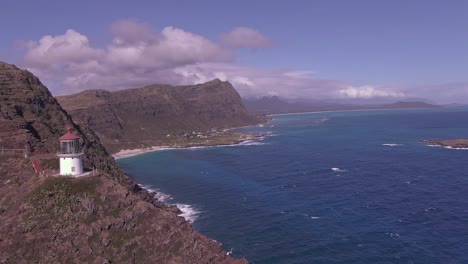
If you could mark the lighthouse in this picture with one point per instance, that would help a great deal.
(70, 154)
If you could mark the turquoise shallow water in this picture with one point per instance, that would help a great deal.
(342, 187)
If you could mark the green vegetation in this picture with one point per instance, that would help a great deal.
(3, 208)
(52, 164)
(63, 197)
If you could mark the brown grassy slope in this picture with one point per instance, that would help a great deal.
(92, 220)
(30, 116)
(453, 143)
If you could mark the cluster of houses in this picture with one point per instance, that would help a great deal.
(214, 132)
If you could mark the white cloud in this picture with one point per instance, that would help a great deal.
(50, 50)
(138, 55)
(255, 82)
(169, 48)
(242, 37)
(367, 92)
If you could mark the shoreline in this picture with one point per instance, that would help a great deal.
(241, 138)
(350, 110)
(461, 144)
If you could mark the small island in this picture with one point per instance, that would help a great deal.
(449, 143)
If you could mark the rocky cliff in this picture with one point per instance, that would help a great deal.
(102, 218)
(156, 114)
(30, 117)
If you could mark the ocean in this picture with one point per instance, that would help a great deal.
(335, 187)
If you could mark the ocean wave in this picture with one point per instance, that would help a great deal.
(323, 119)
(250, 143)
(337, 170)
(189, 212)
(162, 197)
(393, 235)
(271, 134)
(392, 144)
(449, 147)
(445, 147)
(138, 152)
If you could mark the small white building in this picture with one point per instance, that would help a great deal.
(70, 154)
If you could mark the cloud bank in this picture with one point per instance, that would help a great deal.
(139, 55)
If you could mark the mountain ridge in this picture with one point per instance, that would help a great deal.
(157, 114)
(276, 105)
(101, 218)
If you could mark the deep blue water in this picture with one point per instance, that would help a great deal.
(279, 200)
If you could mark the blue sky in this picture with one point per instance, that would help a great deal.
(358, 49)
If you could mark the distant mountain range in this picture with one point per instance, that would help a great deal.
(276, 105)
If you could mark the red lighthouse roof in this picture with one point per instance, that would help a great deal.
(69, 135)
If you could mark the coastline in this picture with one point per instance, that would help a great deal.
(350, 110)
(187, 211)
(230, 139)
(461, 144)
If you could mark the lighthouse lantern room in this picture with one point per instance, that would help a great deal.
(70, 154)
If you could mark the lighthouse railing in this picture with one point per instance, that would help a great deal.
(71, 152)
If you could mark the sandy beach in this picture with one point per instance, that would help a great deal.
(235, 139)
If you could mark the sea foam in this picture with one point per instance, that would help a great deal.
(392, 144)
(445, 147)
(189, 212)
(337, 170)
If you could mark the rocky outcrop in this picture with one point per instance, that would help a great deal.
(449, 143)
(93, 220)
(156, 114)
(30, 117)
(103, 218)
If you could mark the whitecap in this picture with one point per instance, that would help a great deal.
(189, 212)
(243, 143)
(160, 196)
(449, 147)
(392, 144)
(393, 235)
(446, 147)
(429, 209)
(315, 217)
(249, 143)
(271, 134)
(337, 170)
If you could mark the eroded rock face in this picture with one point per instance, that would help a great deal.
(94, 220)
(104, 218)
(450, 143)
(142, 117)
(30, 117)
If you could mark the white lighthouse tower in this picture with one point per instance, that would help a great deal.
(70, 154)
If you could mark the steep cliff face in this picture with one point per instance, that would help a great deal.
(146, 116)
(30, 117)
(104, 218)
